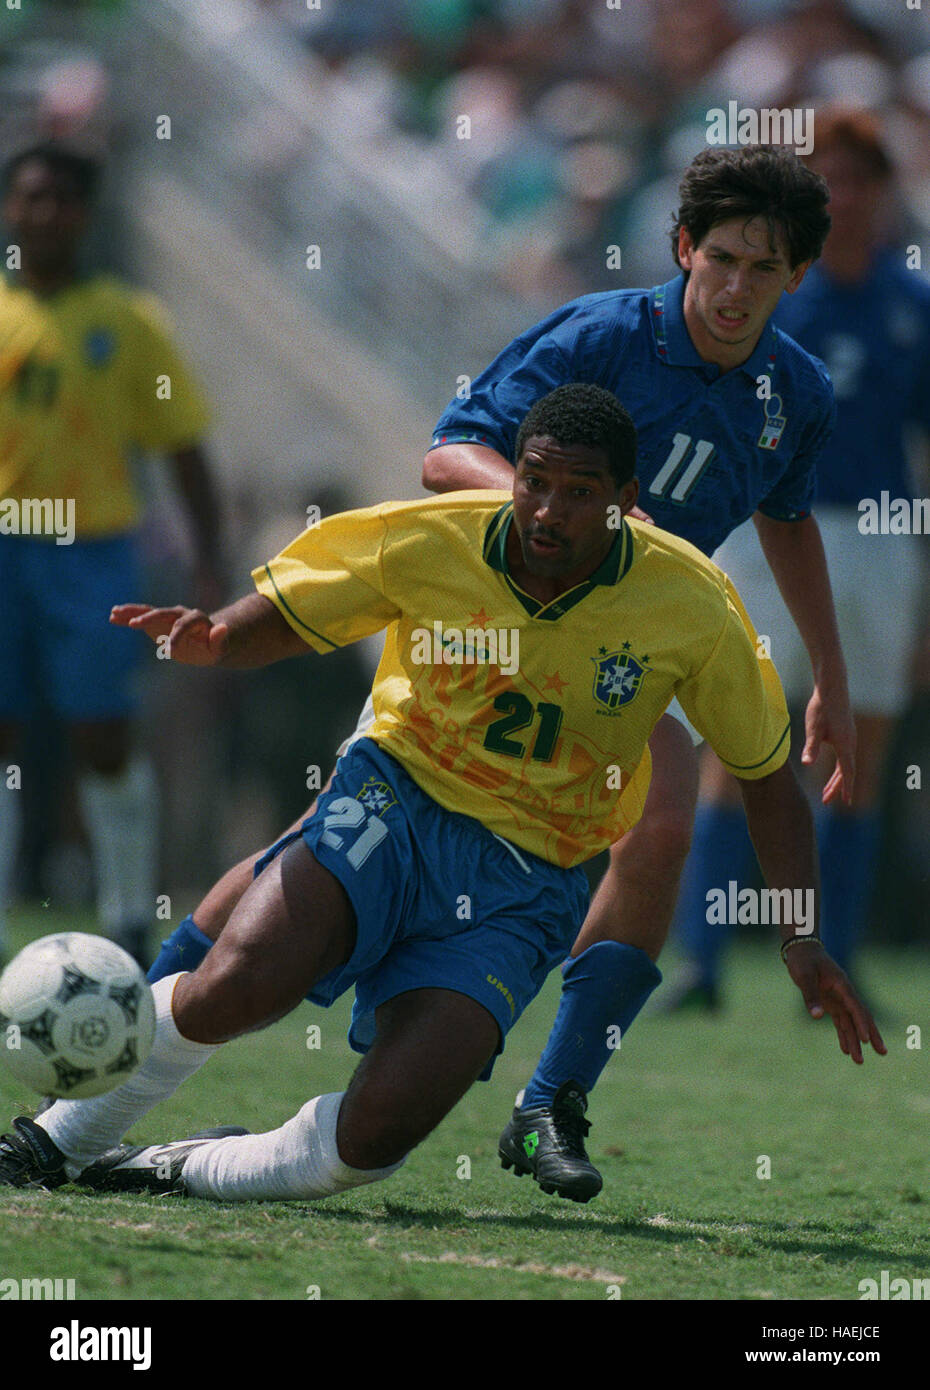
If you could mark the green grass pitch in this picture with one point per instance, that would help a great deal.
(682, 1123)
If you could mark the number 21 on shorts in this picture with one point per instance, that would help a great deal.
(347, 813)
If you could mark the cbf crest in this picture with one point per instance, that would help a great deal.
(377, 797)
(618, 677)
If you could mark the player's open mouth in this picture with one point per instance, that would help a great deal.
(731, 318)
(545, 547)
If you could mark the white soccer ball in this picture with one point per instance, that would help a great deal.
(77, 1016)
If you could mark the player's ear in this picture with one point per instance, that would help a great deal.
(628, 495)
(797, 275)
(685, 248)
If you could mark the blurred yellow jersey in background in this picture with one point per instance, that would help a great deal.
(88, 374)
(532, 718)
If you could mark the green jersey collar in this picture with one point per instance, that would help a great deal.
(610, 571)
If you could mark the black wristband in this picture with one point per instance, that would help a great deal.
(797, 941)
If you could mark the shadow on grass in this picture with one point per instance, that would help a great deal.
(750, 1237)
(736, 1237)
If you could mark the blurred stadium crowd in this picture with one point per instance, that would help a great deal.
(584, 114)
(581, 116)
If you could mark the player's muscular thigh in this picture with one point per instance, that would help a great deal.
(214, 910)
(431, 1045)
(294, 925)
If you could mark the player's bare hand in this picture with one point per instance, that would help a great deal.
(193, 638)
(639, 515)
(826, 989)
(829, 719)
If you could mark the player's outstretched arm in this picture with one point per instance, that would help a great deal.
(794, 551)
(782, 831)
(249, 633)
(827, 989)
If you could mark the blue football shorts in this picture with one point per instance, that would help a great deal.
(440, 901)
(55, 635)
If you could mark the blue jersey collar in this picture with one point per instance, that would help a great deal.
(673, 343)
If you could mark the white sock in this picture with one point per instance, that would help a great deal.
(11, 823)
(298, 1160)
(84, 1129)
(122, 821)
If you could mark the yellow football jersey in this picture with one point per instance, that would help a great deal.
(532, 718)
(84, 378)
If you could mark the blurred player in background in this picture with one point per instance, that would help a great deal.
(867, 316)
(686, 359)
(88, 373)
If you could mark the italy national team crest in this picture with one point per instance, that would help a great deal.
(377, 797)
(775, 423)
(617, 677)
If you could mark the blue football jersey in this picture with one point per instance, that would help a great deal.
(713, 447)
(874, 339)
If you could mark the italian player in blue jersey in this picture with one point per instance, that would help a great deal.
(485, 779)
(867, 316)
(731, 417)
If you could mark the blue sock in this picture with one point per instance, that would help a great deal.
(184, 950)
(721, 850)
(604, 987)
(848, 848)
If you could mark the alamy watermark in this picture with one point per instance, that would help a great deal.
(894, 1289)
(894, 516)
(792, 126)
(77, 1343)
(38, 516)
(453, 646)
(36, 1290)
(751, 907)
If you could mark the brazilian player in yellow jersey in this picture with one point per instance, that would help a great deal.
(88, 374)
(511, 709)
(530, 648)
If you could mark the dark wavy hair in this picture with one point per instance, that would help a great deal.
(755, 181)
(580, 413)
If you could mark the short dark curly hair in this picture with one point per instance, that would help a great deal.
(579, 413)
(755, 181)
(81, 169)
